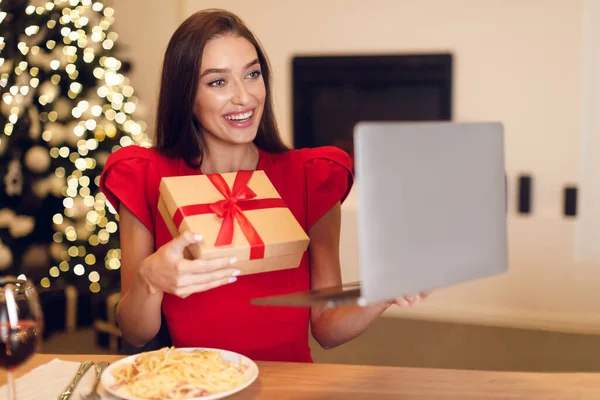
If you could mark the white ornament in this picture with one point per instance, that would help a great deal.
(37, 159)
(13, 180)
(21, 226)
(6, 217)
(6, 258)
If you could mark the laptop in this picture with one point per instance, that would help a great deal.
(431, 211)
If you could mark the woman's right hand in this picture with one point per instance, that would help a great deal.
(167, 270)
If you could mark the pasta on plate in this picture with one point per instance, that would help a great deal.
(171, 373)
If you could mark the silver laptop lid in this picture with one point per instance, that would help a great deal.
(431, 205)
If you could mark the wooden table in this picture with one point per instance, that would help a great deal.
(328, 381)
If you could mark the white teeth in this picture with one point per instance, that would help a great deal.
(239, 117)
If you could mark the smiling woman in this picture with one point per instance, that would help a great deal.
(230, 101)
(215, 115)
(214, 70)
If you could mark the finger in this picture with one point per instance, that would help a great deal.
(199, 279)
(412, 300)
(184, 292)
(424, 295)
(402, 302)
(203, 266)
(178, 244)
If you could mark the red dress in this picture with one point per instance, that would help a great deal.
(310, 181)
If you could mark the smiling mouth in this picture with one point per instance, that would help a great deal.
(241, 117)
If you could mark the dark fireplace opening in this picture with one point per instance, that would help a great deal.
(332, 93)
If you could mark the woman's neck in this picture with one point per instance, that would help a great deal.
(220, 159)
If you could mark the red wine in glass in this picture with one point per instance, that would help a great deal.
(20, 325)
(17, 344)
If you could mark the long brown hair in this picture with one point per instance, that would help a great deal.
(178, 132)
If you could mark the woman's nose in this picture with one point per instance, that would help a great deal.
(241, 95)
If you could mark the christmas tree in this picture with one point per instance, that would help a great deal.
(65, 106)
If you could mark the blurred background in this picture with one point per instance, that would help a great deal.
(531, 64)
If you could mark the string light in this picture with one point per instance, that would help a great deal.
(98, 118)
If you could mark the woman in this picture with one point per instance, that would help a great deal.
(215, 115)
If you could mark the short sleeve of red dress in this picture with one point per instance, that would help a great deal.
(328, 180)
(127, 179)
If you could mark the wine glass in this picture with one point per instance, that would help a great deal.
(21, 324)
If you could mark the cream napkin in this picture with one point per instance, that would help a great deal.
(49, 380)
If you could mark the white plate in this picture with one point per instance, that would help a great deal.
(108, 381)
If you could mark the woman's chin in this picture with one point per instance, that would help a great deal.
(241, 136)
(234, 136)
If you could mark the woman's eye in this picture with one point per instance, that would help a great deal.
(255, 74)
(217, 83)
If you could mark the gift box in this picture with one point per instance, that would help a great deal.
(239, 215)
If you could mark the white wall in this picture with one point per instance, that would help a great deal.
(144, 28)
(588, 226)
(515, 61)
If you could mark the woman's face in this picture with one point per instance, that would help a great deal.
(231, 91)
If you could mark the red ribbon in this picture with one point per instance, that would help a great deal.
(235, 202)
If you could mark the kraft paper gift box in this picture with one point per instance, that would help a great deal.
(239, 214)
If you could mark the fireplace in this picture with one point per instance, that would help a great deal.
(331, 94)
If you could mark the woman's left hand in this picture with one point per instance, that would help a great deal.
(409, 301)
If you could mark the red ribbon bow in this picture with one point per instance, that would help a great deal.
(232, 207)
